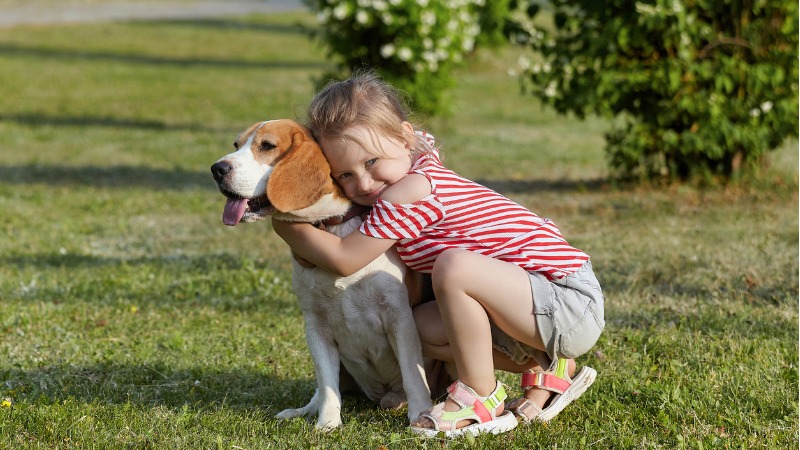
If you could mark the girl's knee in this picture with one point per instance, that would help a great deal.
(449, 266)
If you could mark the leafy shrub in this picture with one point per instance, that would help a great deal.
(704, 87)
(494, 20)
(413, 44)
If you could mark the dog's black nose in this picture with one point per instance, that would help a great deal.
(220, 169)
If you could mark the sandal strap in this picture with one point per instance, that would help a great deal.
(474, 406)
(554, 381)
(525, 409)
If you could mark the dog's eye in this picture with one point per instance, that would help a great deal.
(266, 145)
(236, 145)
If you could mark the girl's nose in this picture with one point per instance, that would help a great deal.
(365, 183)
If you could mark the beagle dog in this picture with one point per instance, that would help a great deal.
(362, 322)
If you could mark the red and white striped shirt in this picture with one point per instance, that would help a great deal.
(460, 213)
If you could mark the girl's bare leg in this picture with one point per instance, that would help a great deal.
(471, 290)
(436, 345)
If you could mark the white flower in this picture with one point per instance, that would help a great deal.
(550, 90)
(645, 9)
(405, 54)
(323, 16)
(766, 107)
(422, 3)
(388, 50)
(468, 44)
(362, 17)
(341, 11)
(428, 18)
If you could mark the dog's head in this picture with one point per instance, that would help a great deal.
(277, 169)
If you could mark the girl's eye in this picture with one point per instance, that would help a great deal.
(343, 176)
(371, 162)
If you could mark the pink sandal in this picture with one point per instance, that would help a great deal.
(557, 381)
(482, 410)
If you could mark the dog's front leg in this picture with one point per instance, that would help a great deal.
(327, 400)
(408, 350)
(326, 365)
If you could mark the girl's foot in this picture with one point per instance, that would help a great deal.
(547, 393)
(465, 411)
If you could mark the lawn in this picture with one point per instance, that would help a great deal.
(130, 317)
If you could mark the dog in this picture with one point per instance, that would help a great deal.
(362, 322)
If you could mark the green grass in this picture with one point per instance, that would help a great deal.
(130, 317)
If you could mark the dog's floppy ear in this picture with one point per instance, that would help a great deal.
(301, 177)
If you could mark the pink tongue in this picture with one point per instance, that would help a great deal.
(234, 210)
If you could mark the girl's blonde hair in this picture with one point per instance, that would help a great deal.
(365, 100)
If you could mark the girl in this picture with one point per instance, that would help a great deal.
(510, 292)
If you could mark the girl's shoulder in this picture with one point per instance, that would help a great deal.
(409, 189)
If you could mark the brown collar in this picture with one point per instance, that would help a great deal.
(354, 210)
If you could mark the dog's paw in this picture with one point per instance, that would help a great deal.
(328, 424)
(393, 400)
(415, 408)
(290, 413)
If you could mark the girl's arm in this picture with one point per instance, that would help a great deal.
(346, 256)
(341, 256)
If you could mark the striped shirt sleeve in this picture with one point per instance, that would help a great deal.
(393, 221)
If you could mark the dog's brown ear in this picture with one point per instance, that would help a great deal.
(302, 176)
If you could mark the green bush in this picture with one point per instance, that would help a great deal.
(703, 88)
(493, 19)
(413, 44)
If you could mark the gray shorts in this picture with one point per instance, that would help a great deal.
(569, 316)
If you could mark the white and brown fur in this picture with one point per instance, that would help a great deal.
(362, 322)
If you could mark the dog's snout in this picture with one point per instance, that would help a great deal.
(220, 170)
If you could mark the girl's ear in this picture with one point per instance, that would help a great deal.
(408, 134)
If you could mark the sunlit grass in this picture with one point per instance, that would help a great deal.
(130, 317)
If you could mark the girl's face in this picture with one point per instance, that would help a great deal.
(365, 173)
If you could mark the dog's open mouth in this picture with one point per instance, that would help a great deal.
(251, 209)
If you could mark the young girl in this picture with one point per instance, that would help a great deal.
(511, 293)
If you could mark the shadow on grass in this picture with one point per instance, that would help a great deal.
(107, 177)
(43, 261)
(38, 120)
(229, 24)
(13, 50)
(534, 186)
(161, 385)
